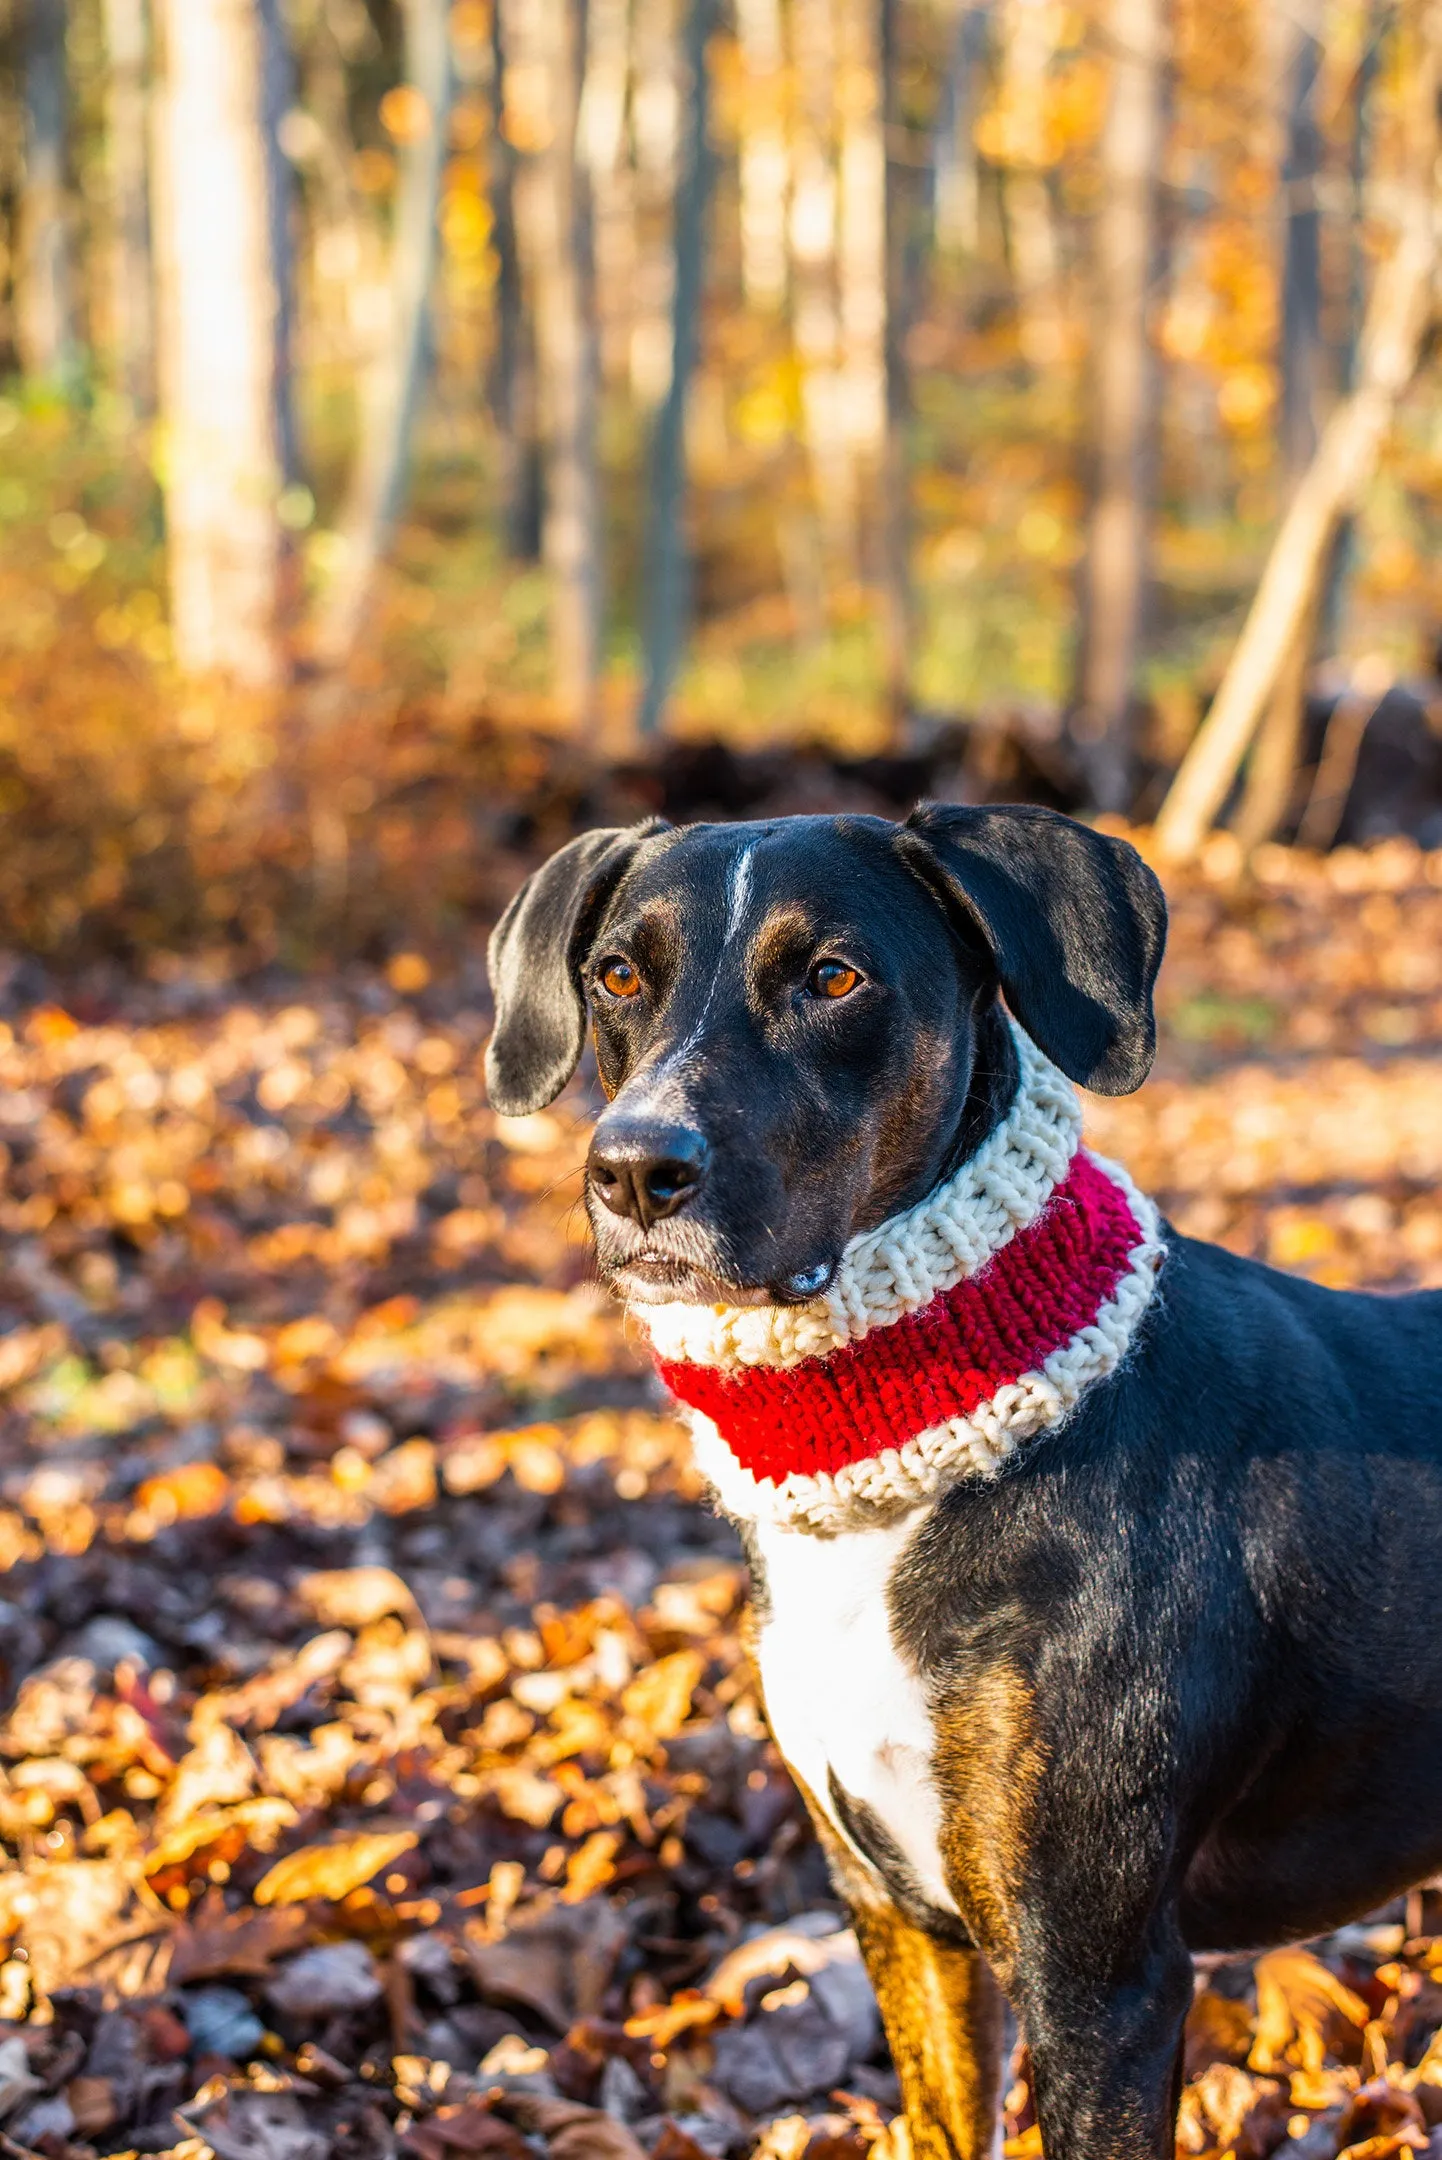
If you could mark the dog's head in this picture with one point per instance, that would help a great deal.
(797, 1022)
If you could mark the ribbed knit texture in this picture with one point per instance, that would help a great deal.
(952, 1332)
(933, 1365)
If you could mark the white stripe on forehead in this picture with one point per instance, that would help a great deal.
(738, 893)
(663, 1076)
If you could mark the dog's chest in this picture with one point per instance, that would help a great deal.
(845, 1706)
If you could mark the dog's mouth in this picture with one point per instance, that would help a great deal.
(653, 1278)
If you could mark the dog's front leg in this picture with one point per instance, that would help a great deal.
(941, 2011)
(1106, 2056)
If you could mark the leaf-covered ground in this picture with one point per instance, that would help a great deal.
(379, 1769)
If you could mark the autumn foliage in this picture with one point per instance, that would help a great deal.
(380, 1766)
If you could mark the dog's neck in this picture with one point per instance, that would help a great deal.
(952, 1331)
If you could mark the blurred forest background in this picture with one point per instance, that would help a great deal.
(428, 428)
(393, 382)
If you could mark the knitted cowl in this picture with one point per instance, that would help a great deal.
(951, 1333)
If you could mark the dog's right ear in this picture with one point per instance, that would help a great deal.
(534, 960)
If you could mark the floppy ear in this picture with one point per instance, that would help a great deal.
(534, 960)
(1074, 922)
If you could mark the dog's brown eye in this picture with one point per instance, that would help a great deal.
(832, 979)
(621, 979)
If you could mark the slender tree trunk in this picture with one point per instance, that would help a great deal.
(601, 149)
(1359, 164)
(1028, 43)
(222, 362)
(667, 565)
(389, 405)
(862, 257)
(513, 370)
(655, 131)
(277, 96)
(1272, 764)
(903, 247)
(764, 168)
(1126, 392)
(45, 294)
(131, 327)
(956, 193)
(816, 315)
(1301, 245)
(553, 216)
(1397, 316)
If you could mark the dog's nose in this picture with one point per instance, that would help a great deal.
(646, 1171)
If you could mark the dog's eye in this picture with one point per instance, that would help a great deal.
(620, 978)
(832, 979)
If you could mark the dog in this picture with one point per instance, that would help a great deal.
(1093, 1568)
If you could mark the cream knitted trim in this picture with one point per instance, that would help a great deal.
(886, 1485)
(909, 1259)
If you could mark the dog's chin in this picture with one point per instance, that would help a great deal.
(657, 1281)
(651, 1278)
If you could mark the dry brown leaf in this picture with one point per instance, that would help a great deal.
(470, 2128)
(555, 1959)
(255, 1823)
(354, 1597)
(573, 2132)
(1218, 2030)
(1300, 2007)
(186, 1494)
(212, 1943)
(332, 1871)
(660, 1697)
(88, 1923)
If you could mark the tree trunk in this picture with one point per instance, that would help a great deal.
(1271, 766)
(1126, 400)
(389, 403)
(955, 189)
(1397, 317)
(553, 216)
(1339, 569)
(1301, 355)
(601, 149)
(904, 243)
(44, 284)
(816, 322)
(222, 361)
(277, 96)
(655, 133)
(513, 369)
(131, 327)
(1028, 47)
(763, 165)
(666, 561)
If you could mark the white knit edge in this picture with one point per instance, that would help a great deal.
(911, 1258)
(884, 1486)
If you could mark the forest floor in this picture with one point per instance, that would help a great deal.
(379, 1769)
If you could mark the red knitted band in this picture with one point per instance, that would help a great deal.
(1049, 1281)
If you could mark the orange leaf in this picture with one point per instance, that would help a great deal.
(332, 1871)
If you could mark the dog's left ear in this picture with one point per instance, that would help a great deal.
(534, 961)
(1074, 922)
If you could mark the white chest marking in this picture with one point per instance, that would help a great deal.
(839, 1696)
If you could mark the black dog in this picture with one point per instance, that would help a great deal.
(1140, 1657)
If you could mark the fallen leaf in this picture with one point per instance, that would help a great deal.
(471, 2127)
(660, 1697)
(1300, 2005)
(332, 1871)
(212, 1943)
(555, 1959)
